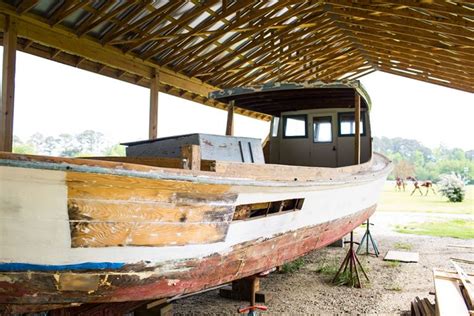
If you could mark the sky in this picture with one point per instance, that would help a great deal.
(52, 98)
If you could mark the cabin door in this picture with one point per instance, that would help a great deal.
(324, 141)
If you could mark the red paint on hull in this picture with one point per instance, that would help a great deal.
(40, 288)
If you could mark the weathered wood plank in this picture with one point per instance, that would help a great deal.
(206, 165)
(124, 211)
(118, 188)
(192, 155)
(113, 234)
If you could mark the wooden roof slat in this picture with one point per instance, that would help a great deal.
(422, 60)
(180, 41)
(314, 54)
(216, 51)
(188, 16)
(407, 32)
(457, 31)
(265, 45)
(26, 5)
(156, 15)
(237, 22)
(104, 16)
(135, 12)
(387, 42)
(455, 85)
(421, 69)
(410, 15)
(66, 9)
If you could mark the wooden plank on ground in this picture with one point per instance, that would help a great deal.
(449, 299)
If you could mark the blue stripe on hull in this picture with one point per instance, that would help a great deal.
(17, 267)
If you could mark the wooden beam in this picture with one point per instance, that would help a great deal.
(357, 129)
(153, 123)
(229, 130)
(60, 38)
(8, 83)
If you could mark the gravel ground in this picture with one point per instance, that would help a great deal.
(391, 289)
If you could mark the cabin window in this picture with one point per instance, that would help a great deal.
(347, 124)
(265, 208)
(295, 126)
(275, 123)
(322, 129)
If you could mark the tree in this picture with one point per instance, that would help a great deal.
(403, 169)
(68, 145)
(90, 141)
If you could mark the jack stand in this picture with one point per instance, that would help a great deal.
(252, 309)
(352, 261)
(367, 238)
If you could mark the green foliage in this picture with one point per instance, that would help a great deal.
(452, 186)
(292, 266)
(329, 269)
(428, 164)
(402, 246)
(86, 143)
(392, 264)
(456, 228)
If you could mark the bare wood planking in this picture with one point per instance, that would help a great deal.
(119, 188)
(109, 210)
(112, 234)
(123, 211)
(206, 165)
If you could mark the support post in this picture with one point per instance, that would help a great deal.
(153, 124)
(357, 129)
(229, 131)
(8, 84)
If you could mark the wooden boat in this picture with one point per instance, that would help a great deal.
(78, 231)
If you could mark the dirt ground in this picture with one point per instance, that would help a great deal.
(391, 289)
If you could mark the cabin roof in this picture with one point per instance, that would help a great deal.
(275, 98)
(199, 46)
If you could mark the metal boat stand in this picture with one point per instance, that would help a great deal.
(367, 238)
(352, 261)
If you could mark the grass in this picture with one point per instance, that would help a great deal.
(456, 228)
(392, 264)
(394, 287)
(292, 266)
(394, 201)
(344, 278)
(402, 246)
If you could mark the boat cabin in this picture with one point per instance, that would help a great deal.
(313, 124)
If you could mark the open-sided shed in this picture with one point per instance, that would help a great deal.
(190, 48)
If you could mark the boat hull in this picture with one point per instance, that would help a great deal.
(77, 232)
(136, 282)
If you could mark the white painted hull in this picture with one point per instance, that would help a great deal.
(35, 224)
